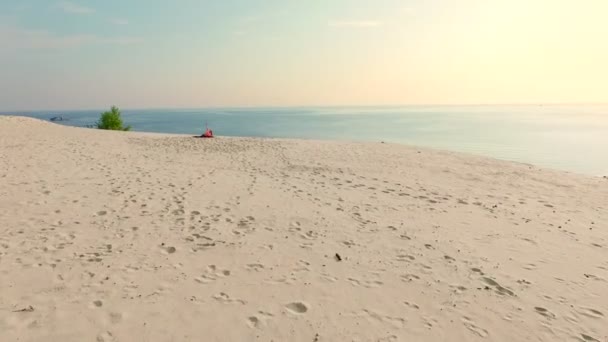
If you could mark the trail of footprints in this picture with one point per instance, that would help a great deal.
(201, 230)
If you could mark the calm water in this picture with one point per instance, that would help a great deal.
(573, 138)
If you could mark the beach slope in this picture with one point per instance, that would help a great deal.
(114, 236)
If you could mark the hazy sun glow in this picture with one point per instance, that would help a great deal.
(91, 54)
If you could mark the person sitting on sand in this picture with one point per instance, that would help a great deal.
(208, 134)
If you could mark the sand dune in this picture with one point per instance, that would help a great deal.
(111, 236)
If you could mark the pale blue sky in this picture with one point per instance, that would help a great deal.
(150, 53)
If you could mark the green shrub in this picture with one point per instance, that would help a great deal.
(111, 120)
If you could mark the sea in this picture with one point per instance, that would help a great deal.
(567, 137)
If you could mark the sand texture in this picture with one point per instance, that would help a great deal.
(113, 236)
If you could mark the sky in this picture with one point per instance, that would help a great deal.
(86, 54)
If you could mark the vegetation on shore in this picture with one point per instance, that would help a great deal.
(112, 120)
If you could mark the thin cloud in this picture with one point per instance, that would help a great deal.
(355, 23)
(70, 7)
(16, 38)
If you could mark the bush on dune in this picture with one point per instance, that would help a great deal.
(111, 120)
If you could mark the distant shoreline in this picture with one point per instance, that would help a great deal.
(101, 109)
(564, 138)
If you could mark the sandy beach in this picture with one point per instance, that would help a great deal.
(114, 236)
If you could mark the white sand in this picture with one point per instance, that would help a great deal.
(112, 236)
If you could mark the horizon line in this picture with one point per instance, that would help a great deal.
(540, 104)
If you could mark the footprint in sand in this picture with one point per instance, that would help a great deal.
(397, 322)
(205, 279)
(544, 312)
(589, 312)
(297, 308)
(348, 243)
(469, 324)
(429, 322)
(328, 278)
(168, 249)
(593, 277)
(366, 283)
(589, 338)
(412, 305)
(105, 337)
(295, 226)
(259, 320)
(498, 288)
(224, 298)
(203, 246)
(254, 267)
(409, 277)
(310, 235)
(458, 289)
(306, 245)
(211, 274)
(405, 257)
(253, 322)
